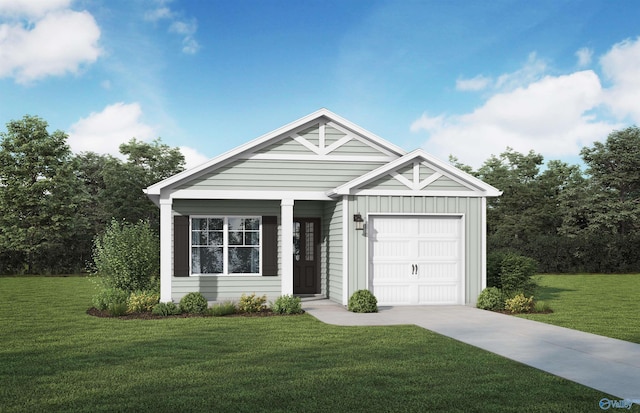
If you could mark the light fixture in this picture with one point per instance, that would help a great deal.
(357, 219)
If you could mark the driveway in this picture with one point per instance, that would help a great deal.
(605, 364)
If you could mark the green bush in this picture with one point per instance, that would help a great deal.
(165, 309)
(541, 307)
(494, 268)
(222, 309)
(363, 301)
(117, 309)
(515, 274)
(287, 304)
(142, 301)
(519, 304)
(491, 298)
(194, 303)
(252, 303)
(127, 256)
(107, 296)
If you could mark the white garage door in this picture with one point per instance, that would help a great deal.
(416, 260)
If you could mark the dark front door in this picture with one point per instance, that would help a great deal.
(306, 255)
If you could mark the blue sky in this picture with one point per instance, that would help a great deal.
(467, 78)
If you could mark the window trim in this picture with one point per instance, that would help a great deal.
(225, 246)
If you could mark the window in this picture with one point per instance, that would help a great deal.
(225, 245)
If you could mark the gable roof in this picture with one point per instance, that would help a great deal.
(415, 183)
(323, 115)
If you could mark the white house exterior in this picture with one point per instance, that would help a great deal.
(279, 215)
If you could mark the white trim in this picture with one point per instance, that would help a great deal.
(429, 180)
(409, 192)
(304, 142)
(286, 244)
(252, 195)
(404, 181)
(345, 250)
(461, 177)
(322, 157)
(370, 139)
(166, 248)
(483, 248)
(340, 142)
(321, 135)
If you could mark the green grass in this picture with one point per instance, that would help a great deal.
(604, 304)
(54, 357)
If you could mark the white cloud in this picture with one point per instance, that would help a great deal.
(552, 116)
(474, 84)
(103, 132)
(31, 8)
(584, 56)
(533, 70)
(60, 41)
(192, 157)
(621, 66)
(183, 27)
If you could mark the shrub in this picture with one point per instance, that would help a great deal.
(363, 301)
(107, 296)
(222, 309)
(127, 256)
(165, 309)
(494, 264)
(194, 303)
(287, 304)
(252, 303)
(117, 309)
(142, 301)
(541, 307)
(515, 274)
(491, 298)
(519, 304)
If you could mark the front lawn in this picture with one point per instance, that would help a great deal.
(604, 304)
(55, 357)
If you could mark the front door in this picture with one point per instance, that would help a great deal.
(306, 255)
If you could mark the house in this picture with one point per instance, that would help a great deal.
(323, 207)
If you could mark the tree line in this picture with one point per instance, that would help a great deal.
(567, 219)
(53, 203)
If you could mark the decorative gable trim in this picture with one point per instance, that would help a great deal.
(322, 118)
(415, 185)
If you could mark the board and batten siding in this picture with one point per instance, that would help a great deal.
(270, 175)
(227, 287)
(469, 207)
(333, 250)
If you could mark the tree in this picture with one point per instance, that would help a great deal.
(40, 199)
(605, 213)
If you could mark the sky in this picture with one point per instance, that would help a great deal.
(462, 78)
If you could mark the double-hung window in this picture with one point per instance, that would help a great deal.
(225, 245)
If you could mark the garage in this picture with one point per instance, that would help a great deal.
(416, 259)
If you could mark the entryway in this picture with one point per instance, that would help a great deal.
(306, 255)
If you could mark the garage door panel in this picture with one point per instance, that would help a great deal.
(438, 248)
(416, 260)
(438, 271)
(394, 294)
(438, 294)
(391, 249)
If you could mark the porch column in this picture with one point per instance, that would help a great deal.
(286, 225)
(166, 237)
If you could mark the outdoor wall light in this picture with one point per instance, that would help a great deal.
(357, 219)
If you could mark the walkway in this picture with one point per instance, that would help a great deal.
(605, 364)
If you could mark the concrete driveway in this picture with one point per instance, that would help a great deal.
(605, 364)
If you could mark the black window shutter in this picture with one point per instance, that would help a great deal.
(181, 253)
(269, 246)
